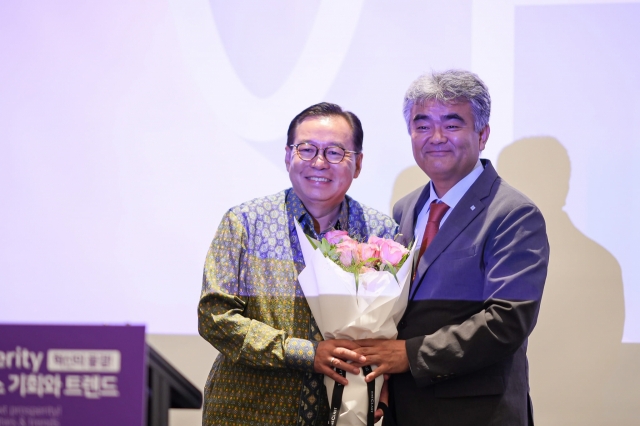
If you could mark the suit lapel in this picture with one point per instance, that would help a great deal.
(467, 209)
(408, 222)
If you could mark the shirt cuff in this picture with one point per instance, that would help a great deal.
(300, 354)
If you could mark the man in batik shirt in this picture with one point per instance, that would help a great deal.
(252, 309)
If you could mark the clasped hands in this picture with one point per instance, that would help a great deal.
(390, 357)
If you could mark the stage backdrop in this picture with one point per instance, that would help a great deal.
(127, 129)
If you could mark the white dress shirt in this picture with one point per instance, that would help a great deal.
(451, 198)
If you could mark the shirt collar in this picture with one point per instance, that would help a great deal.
(453, 196)
(298, 210)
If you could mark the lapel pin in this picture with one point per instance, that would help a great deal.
(473, 208)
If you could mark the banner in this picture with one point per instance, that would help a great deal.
(66, 375)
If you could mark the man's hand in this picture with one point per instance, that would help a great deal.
(336, 353)
(389, 355)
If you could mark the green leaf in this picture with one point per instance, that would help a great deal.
(315, 243)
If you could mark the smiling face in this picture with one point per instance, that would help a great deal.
(321, 185)
(445, 144)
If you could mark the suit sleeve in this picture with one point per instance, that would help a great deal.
(514, 262)
(221, 318)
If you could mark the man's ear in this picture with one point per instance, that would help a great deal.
(484, 135)
(358, 165)
(287, 156)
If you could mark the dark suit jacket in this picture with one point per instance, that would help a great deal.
(473, 303)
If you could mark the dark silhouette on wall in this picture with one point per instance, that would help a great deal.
(575, 347)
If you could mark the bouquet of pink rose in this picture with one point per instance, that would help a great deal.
(355, 290)
(377, 254)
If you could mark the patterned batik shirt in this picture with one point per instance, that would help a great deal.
(253, 311)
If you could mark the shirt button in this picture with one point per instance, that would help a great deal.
(402, 324)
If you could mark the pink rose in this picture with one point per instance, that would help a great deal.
(392, 252)
(376, 240)
(348, 251)
(334, 237)
(368, 251)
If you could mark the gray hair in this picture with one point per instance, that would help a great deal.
(450, 86)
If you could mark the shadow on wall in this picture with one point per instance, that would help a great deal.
(409, 179)
(576, 346)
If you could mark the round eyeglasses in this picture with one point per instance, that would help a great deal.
(333, 154)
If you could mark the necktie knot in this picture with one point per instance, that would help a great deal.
(437, 212)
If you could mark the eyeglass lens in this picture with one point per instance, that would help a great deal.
(333, 154)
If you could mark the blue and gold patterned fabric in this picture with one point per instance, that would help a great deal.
(253, 311)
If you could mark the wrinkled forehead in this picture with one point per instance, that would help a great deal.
(433, 108)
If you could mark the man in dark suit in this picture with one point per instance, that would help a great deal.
(460, 358)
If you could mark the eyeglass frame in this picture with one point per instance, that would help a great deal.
(323, 150)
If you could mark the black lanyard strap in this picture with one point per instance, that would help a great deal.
(336, 398)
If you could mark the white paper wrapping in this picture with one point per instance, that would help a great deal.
(341, 312)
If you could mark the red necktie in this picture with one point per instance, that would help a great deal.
(436, 213)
